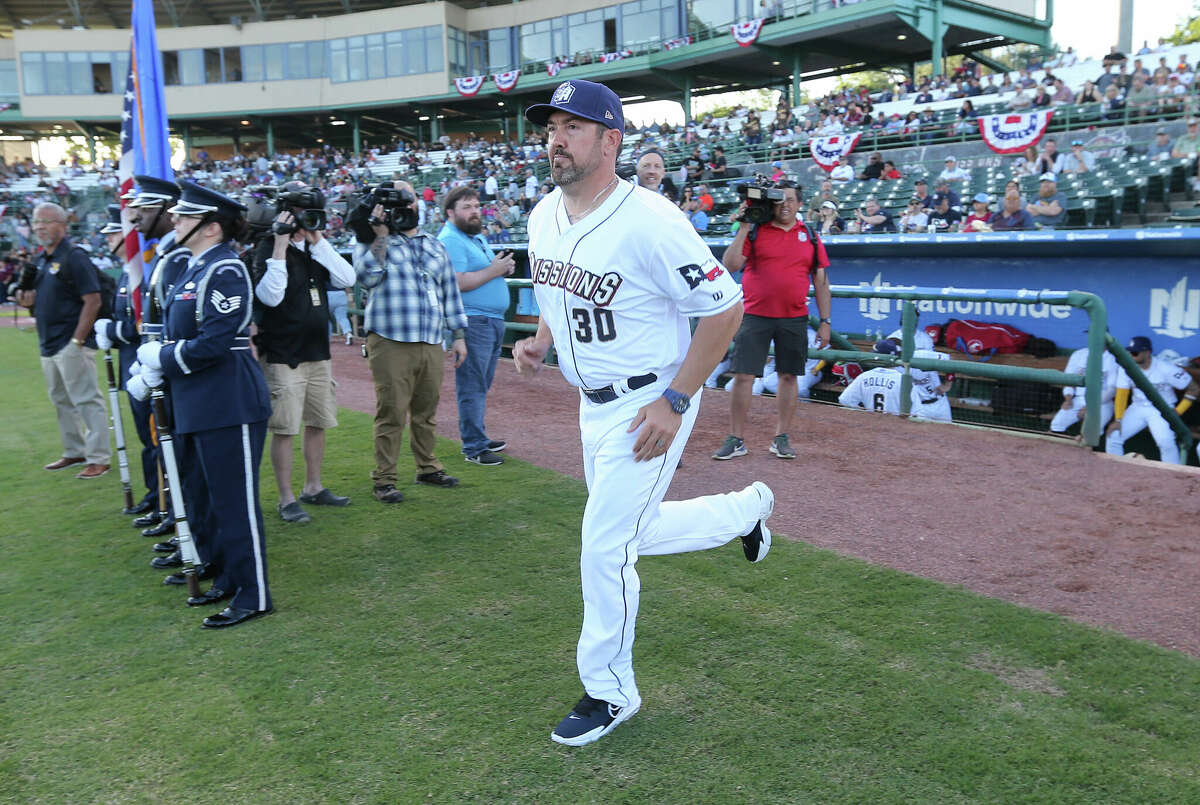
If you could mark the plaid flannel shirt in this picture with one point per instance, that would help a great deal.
(415, 297)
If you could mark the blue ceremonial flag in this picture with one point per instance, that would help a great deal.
(145, 149)
(152, 151)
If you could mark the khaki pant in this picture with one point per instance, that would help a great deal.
(408, 383)
(82, 419)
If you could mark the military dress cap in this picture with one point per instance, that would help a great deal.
(113, 226)
(199, 200)
(585, 99)
(153, 191)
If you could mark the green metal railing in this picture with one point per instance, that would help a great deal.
(1098, 341)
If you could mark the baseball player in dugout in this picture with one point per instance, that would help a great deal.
(220, 403)
(293, 270)
(617, 271)
(413, 299)
(481, 275)
(64, 295)
(1132, 410)
(779, 260)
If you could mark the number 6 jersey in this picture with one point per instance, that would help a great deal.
(617, 288)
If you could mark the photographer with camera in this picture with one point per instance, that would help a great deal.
(62, 289)
(293, 270)
(485, 297)
(414, 298)
(780, 258)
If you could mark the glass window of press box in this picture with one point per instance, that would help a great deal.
(386, 55)
(356, 58)
(76, 73)
(603, 30)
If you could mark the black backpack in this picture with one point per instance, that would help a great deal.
(106, 282)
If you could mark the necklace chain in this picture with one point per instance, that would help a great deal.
(595, 201)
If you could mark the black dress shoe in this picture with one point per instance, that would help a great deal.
(179, 579)
(161, 530)
(141, 507)
(167, 547)
(146, 520)
(163, 562)
(211, 596)
(232, 616)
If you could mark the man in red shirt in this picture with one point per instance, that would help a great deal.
(781, 260)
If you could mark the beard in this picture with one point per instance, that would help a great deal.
(573, 171)
(470, 226)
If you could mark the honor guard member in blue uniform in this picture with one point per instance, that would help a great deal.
(162, 262)
(219, 397)
(121, 331)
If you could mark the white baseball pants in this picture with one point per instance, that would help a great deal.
(1136, 419)
(1066, 417)
(625, 518)
(939, 409)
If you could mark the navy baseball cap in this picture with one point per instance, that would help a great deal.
(585, 99)
(1139, 343)
(887, 346)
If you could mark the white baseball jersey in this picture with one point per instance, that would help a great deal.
(1077, 365)
(921, 339)
(1166, 377)
(926, 381)
(875, 390)
(616, 288)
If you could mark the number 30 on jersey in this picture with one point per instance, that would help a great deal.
(594, 323)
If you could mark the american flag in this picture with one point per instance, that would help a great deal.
(145, 149)
(133, 240)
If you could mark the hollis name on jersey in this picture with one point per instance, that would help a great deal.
(885, 382)
(599, 290)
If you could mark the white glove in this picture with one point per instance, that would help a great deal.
(102, 339)
(148, 355)
(135, 368)
(151, 377)
(137, 388)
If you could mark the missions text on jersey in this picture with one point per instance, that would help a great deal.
(606, 285)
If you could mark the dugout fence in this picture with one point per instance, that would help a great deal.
(976, 380)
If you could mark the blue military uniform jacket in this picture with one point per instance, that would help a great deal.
(165, 264)
(215, 380)
(170, 261)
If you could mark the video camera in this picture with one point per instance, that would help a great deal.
(399, 205)
(27, 276)
(761, 196)
(265, 202)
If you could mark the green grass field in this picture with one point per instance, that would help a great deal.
(423, 652)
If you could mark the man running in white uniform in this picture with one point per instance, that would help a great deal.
(617, 271)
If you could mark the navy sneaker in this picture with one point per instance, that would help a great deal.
(758, 541)
(590, 720)
(486, 459)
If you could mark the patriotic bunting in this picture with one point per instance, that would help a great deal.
(829, 151)
(605, 58)
(469, 85)
(506, 81)
(677, 43)
(745, 33)
(1013, 133)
